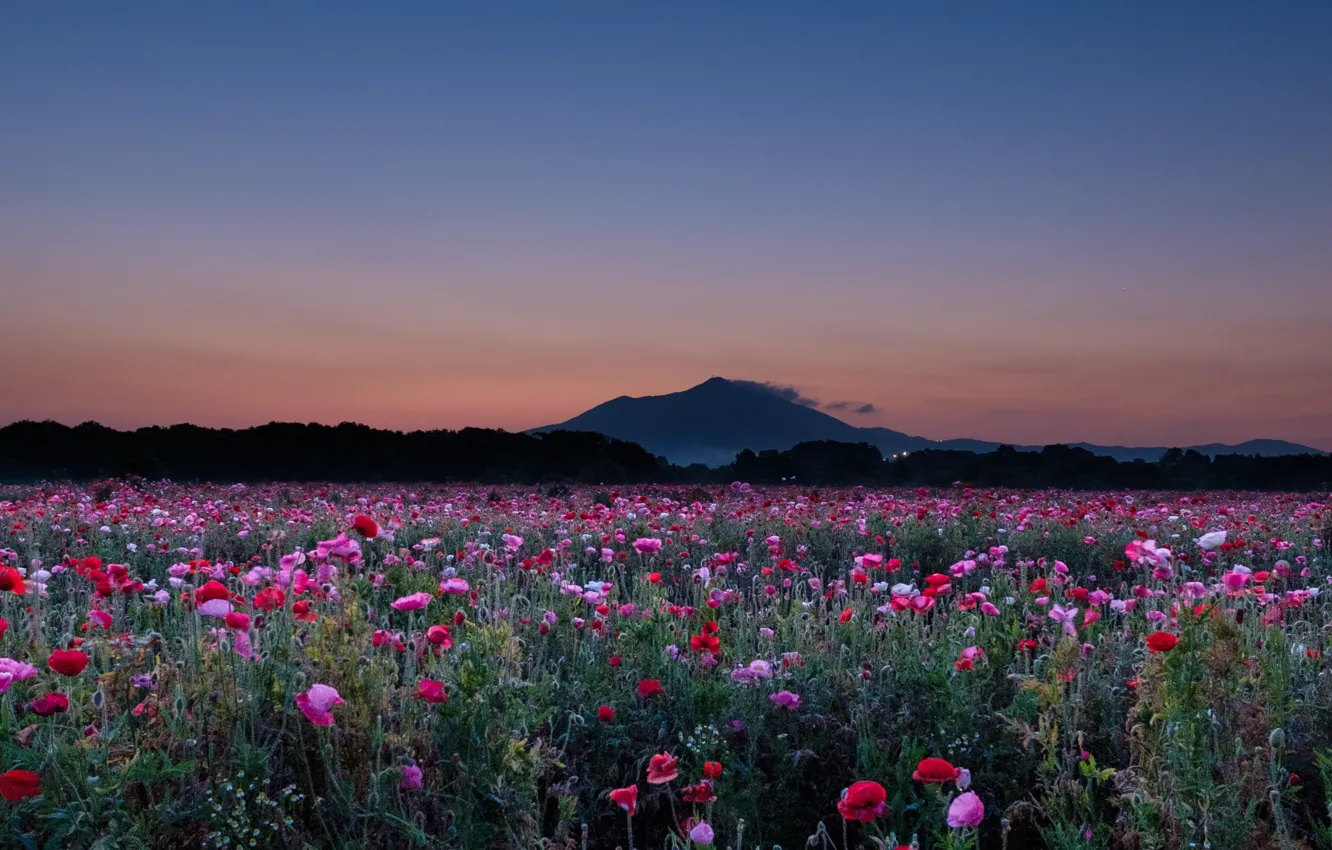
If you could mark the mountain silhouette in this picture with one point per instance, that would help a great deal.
(711, 422)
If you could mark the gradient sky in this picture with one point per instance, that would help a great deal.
(1030, 222)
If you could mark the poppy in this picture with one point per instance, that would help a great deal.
(67, 662)
(17, 784)
(12, 580)
(661, 769)
(211, 590)
(439, 636)
(935, 770)
(431, 691)
(269, 599)
(966, 810)
(52, 703)
(705, 643)
(317, 704)
(626, 798)
(863, 802)
(366, 526)
(700, 794)
(1161, 642)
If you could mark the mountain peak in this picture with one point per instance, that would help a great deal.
(712, 421)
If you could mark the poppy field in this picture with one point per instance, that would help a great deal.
(317, 665)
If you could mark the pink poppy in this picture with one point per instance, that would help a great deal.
(12, 671)
(454, 586)
(411, 602)
(219, 608)
(966, 810)
(647, 546)
(701, 834)
(411, 777)
(317, 704)
(786, 699)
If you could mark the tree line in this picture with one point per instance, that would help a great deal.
(36, 451)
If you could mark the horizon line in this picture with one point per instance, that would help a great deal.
(554, 427)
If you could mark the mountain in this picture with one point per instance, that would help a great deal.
(713, 421)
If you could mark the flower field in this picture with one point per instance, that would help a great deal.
(312, 665)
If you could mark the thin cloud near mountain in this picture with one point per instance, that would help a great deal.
(794, 395)
(863, 408)
(785, 393)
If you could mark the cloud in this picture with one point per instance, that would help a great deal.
(794, 395)
(790, 394)
(863, 408)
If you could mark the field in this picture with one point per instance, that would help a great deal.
(315, 665)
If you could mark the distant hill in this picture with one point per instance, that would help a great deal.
(713, 421)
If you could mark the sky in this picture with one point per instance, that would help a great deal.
(1019, 221)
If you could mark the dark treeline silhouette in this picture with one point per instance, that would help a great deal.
(1053, 466)
(34, 451)
(296, 452)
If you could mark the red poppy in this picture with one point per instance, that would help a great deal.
(4, 624)
(700, 794)
(863, 802)
(12, 580)
(52, 703)
(17, 784)
(431, 691)
(705, 643)
(365, 525)
(439, 636)
(301, 611)
(650, 688)
(661, 769)
(211, 590)
(238, 621)
(626, 798)
(270, 599)
(1161, 642)
(935, 770)
(605, 713)
(712, 770)
(67, 662)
